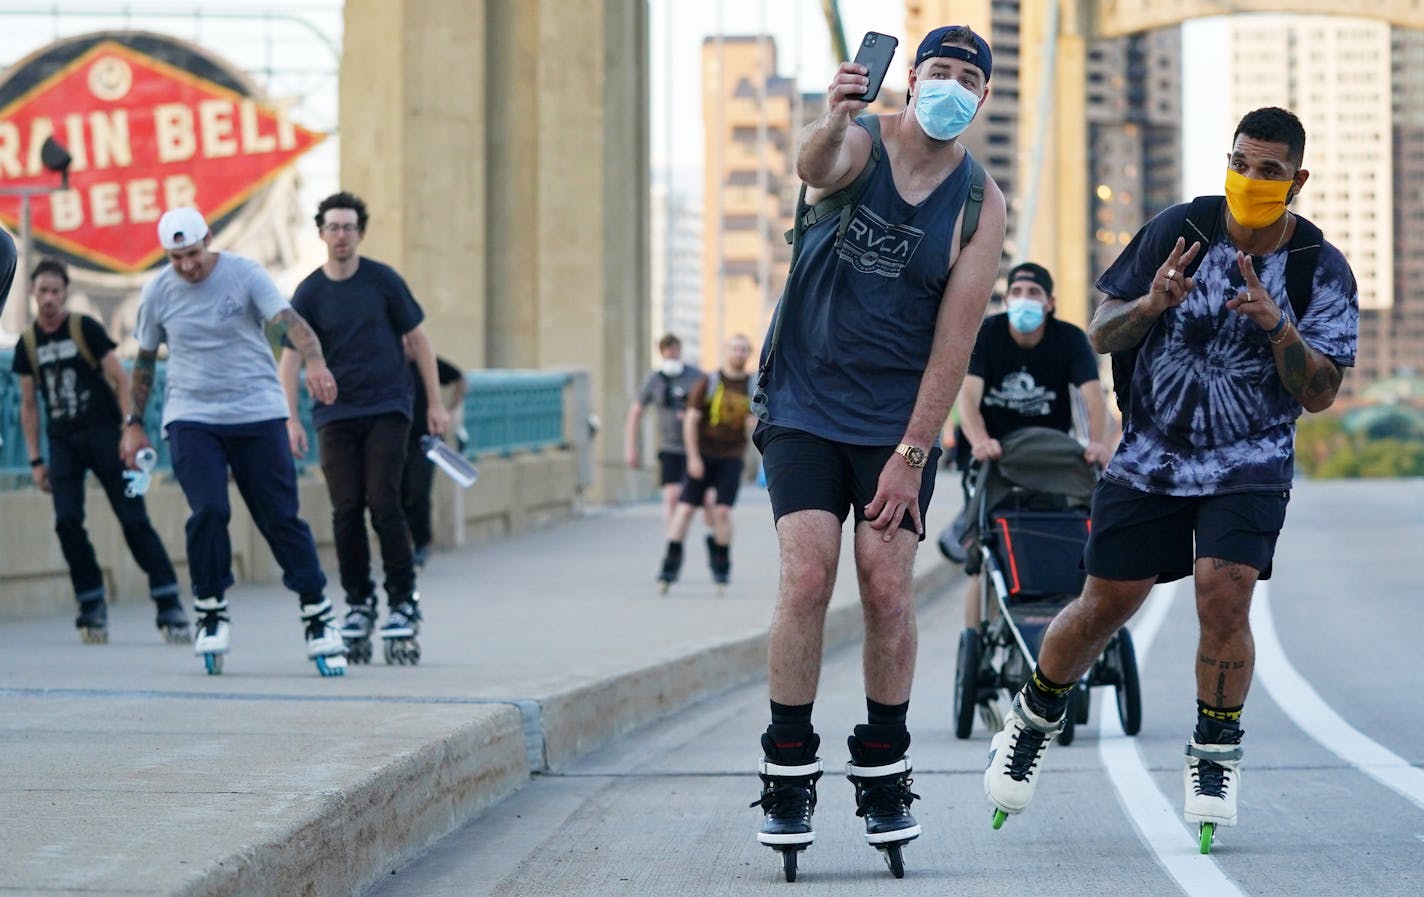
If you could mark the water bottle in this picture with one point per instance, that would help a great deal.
(139, 480)
(454, 464)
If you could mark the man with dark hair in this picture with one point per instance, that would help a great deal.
(1024, 363)
(859, 370)
(1228, 355)
(223, 414)
(365, 316)
(70, 358)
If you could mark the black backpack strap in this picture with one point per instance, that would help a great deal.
(973, 204)
(844, 200)
(1201, 224)
(1305, 246)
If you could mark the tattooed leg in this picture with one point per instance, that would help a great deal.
(1226, 653)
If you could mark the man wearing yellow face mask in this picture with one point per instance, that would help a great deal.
(1227, 355)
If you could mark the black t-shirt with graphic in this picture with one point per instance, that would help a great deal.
(76, 396)
(1029, 387)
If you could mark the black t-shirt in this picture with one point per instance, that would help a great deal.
(76, 396)
(446, 373)
(360, 322)
(1029, 387)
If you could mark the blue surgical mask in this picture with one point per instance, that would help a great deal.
(1025, 315)
(944, 108)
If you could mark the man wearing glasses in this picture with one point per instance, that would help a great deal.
(362, 310)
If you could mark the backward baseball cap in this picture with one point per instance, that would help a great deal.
(181, 228)
(934, 45)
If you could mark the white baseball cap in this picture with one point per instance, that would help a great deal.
(181, 228)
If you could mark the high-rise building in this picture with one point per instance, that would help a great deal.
(1399, 334)
(1335, 75)
(675, 245)
(751, 116)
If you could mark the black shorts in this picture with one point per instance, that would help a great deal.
(722, 474)
(1141, 535)
(672, 467)
(808, 473)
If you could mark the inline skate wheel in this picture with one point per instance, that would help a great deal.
(788, 863)
(999, 817)
(334, 665)
(1208, 830)
(895, 860)
(213, 663)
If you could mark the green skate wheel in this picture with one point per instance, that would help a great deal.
(999, 817)
(1208, 829)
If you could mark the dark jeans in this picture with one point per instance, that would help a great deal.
(363, 459)
(97, 449)
(416, 483)
(261, 462)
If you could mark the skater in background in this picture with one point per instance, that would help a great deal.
(69, 358)
(223, 413)
(1024, 362)
(858, 387)
(714, 427)
(363, 313)
(665, 388)
(419, 474)
(1200, 481)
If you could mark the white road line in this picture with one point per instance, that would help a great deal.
(1159, 823)
(1309, 711)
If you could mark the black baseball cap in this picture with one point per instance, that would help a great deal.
(934, 45)
(1036, 273)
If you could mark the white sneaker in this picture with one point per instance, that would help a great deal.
(1212, 778)
(1015, 756)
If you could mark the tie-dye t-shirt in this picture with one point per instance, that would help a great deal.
(1208, 411)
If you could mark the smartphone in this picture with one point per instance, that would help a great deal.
(875, 52)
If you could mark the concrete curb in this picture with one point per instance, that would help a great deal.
(351, 838)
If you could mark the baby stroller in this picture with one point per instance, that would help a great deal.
(1026, 522)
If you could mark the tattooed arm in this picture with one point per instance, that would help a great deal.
(1120, 324)
(1312, 377)
(320, 382)
(140, 387)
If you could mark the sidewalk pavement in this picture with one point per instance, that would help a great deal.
(125, 769)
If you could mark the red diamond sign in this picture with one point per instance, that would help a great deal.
(150, 123)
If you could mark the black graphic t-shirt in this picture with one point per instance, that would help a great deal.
(76, 396)
(1029, 387)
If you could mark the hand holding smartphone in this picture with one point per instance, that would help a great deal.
(875, 52)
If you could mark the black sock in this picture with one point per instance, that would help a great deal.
(1045, 697)
(1218, 725)
(791, 714)
(878, 714)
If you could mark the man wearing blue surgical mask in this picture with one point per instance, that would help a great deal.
(857, 377)
(1025, 361)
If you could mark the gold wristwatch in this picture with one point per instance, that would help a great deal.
(913, 455)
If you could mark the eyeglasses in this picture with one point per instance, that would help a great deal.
(340, 228)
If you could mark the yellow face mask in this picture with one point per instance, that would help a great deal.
(1256, 203)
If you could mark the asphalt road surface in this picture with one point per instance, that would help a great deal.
(1333, 777)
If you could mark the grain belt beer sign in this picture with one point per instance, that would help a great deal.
(151, 122)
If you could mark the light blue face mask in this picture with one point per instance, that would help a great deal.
(1025, 315)
(944, 108)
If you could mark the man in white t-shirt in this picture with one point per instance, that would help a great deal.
(224, 410)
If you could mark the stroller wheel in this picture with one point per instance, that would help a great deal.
(1129, 689)
(966, 682)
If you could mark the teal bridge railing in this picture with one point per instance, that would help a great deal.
(506, 411)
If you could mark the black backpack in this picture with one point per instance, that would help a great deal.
(1202, 222)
